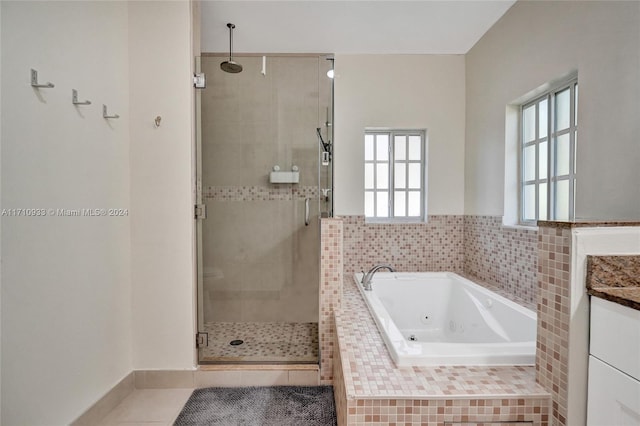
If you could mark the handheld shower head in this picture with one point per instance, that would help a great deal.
(326, 147)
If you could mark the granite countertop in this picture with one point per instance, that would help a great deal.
(615, 278)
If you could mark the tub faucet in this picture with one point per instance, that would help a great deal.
(366, 278)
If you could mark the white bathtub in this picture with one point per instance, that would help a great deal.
(441, 318)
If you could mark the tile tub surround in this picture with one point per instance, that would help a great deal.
(371, 390)
(554, 309)
(502, 255)
(615, 278)
(437, 245)
(331, 278)
(552, 348)
(478, 246)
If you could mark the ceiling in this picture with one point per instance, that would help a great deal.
(348, 27)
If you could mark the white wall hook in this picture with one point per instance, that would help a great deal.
(75, 101)
(34, 81)
(157, 121)
(105, 114)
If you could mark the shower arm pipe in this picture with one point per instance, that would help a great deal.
(231, 27)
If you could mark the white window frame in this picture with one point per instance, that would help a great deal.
(391, 161)
(551, 178)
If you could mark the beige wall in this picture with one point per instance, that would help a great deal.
(160, 66)
(66, 292)
(401, 91)
(535, 43)
(87, 299)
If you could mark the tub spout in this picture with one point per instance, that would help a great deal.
(366, 278)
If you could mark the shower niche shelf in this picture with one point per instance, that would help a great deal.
(279, 176)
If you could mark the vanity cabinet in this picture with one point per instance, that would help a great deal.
(614, 365)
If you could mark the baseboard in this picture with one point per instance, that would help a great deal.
(94, 414)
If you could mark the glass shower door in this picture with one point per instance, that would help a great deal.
(259, 244)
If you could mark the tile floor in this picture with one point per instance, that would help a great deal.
(148, 407)
(263, 342)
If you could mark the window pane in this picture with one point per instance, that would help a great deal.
(399, 204)
(382, 147)
(382, 204)
(368, 176)
(542, 201)
(400, 146)
(543, 114)
(414, 175)
(562, 200)
(529, 163)
(575, 103)
(563, 110)
(400, 175)
(414, 147)
(542, 163)
(529, 202)
(563, 160)
(529, 123)
(368, 147)
(575, 152)
(368, 204)
(414, 203)
(382, 176)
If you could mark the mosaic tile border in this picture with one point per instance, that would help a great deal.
(280, 192)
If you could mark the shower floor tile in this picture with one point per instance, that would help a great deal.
(262, 342)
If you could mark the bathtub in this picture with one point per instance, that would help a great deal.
(441, 318)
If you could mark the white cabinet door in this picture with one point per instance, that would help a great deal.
(615, 335)
(614, 397)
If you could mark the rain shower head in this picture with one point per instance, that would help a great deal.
(231, 65)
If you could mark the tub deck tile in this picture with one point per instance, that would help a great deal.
(370, 373)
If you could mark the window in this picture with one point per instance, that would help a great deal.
(548, 134)
(394, 175)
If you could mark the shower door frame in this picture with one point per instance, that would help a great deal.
(199, 200)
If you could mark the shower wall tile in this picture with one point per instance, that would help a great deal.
(503, 256)
(259, 257)
(554, 305)
(258, 254)
(437, 245)
(331, 278)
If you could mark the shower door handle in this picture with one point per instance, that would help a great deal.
(306, 211)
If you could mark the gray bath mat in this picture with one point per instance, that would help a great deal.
(260, 406)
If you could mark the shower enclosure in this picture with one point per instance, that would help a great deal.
(264, 177)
